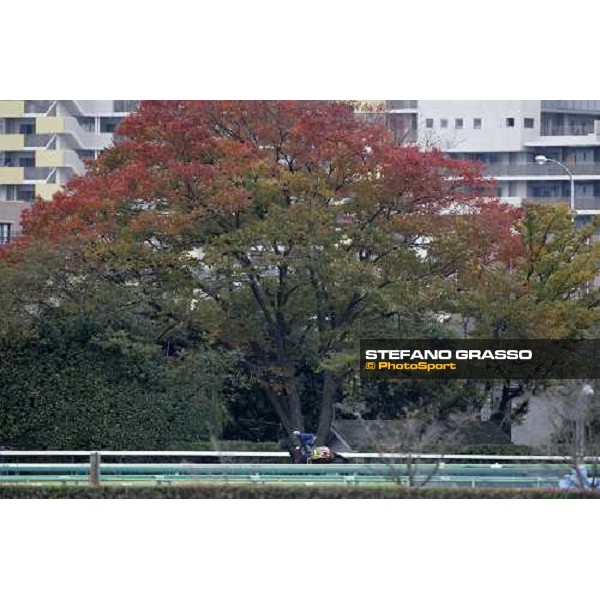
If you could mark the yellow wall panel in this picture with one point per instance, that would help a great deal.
(49, 158)
(12, 174)
(49, 125)
(12, 108)
(12, 141)
(46, 190)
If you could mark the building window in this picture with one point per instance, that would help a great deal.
(528, 122)
(26, 193)
(87, 124)
(510, 121)
(429, 123)
(86, 154)
(458, 123)
(129, 106)
(443, 123)
(109, 124)
(27, 161)
(4, 233)
(476, 123)
(27, 128)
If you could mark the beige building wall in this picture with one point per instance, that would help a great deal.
(10, 213)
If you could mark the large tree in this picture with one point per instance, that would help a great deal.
(286, 229)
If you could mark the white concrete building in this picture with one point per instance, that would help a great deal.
(43, 144)
(506, 135)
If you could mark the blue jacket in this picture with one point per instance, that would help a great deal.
(307, 441)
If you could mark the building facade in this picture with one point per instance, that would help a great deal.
(506, 135)
(44, 143)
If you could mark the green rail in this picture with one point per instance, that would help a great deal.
(433, 474)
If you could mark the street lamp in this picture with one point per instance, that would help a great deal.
(581, 413)
(540, 159)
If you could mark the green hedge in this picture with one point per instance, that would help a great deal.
(274, 492)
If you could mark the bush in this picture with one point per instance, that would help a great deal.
(277, 492)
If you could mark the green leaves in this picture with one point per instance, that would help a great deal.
(547, 291)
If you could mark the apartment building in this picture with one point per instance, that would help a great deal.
(506, 136)
(44, 143)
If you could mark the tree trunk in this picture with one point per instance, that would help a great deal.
(330, 389)
(288, 407)
(294, 404)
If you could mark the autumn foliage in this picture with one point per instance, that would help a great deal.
(308, 226)
(192, 161)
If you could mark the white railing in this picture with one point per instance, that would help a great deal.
(282, 454)
(86, 139)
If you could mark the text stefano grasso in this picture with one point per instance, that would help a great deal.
(499, 354)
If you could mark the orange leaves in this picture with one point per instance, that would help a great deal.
(210, 166)
(67, 215)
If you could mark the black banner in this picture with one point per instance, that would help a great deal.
(479, 359)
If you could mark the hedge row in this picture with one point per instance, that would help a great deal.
(275, 492)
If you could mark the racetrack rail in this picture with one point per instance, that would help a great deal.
(392, 468)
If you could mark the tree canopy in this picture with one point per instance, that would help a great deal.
(283, 232)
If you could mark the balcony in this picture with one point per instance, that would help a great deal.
(125, 106)
(401, 104)
(11, 141)
(12, 108)
(46, 125)
(580, 203)
(37, 107)
(36, 173)
(59, 158)
(571, 106)
(70, 126)
(45, 191)
(566, 130)
(34, 140)
(534, 170)
(49, 158)
(12, 175)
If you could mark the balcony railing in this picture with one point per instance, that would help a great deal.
(566, 130)
(400, 104)
(571, 105)
(39, 140)
(535, 170)
(125, 106)
(580, 203)
(37, 106)
(36, 173)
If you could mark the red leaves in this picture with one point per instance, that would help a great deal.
(190, 161)
(68, 215)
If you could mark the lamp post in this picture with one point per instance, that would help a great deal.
(540, 159)
(582, 408)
